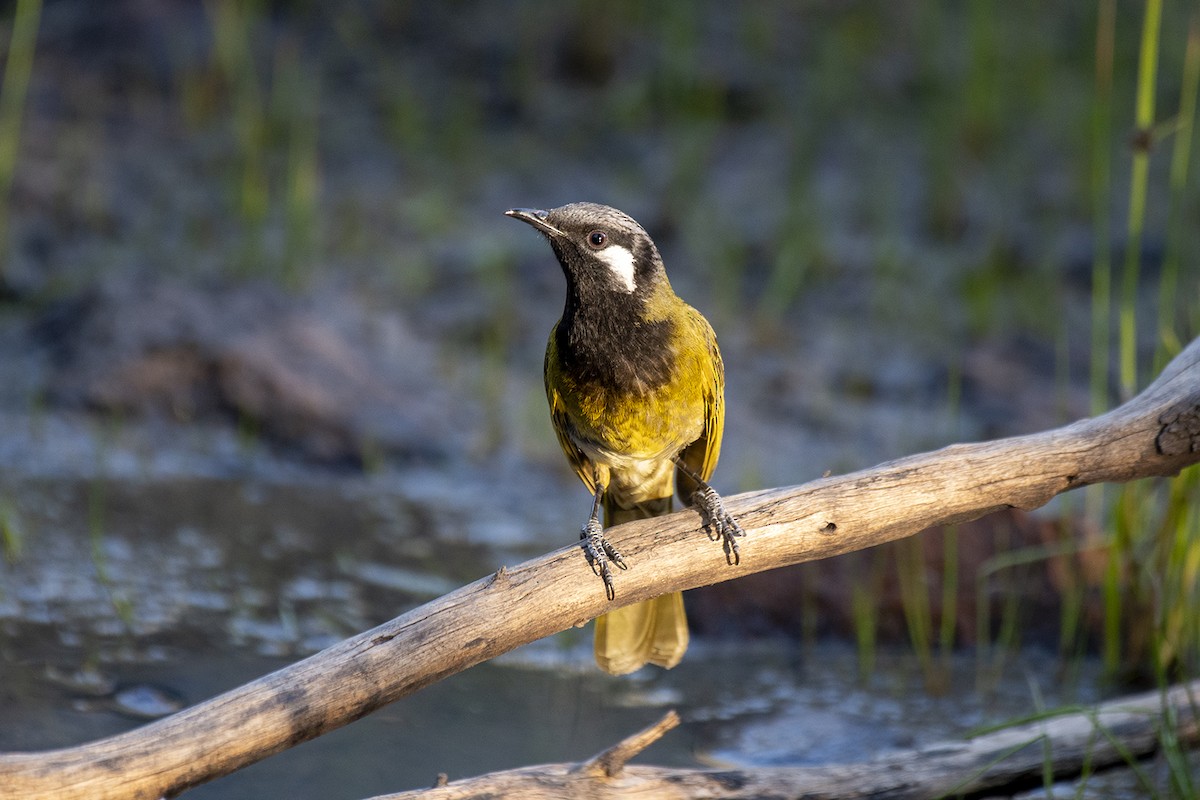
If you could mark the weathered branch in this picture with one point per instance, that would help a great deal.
(1001, 762)
(1156, 433)
(610, 763)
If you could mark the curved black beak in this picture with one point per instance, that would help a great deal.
(536, 218)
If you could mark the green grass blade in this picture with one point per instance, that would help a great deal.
(1139, 179)
(1101, 182)
(17, 71)
(1169, 338)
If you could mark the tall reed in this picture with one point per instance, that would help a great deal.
(1102, 110)
(18, 69)
(1138, 182)
(1169, 339)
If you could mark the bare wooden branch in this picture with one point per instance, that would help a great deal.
(1156, 433)
(609, 763)
(1005, 761)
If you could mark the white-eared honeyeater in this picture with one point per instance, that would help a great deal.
(636, 390)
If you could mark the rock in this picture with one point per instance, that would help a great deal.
(328, 377)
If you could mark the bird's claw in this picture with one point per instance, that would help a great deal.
(600, 554)
(719, 524)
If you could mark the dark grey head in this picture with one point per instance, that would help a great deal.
(601, 250)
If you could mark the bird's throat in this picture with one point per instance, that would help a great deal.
(611, 345)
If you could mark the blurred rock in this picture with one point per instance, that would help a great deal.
(332, 380)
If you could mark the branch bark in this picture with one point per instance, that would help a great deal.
(998, 763)
(1156, 433)
(610, 763)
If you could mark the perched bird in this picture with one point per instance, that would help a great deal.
(636, 391)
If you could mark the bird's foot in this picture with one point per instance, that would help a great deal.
(600, 554)
(719, 524)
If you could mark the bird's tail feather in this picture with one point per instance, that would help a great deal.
(651, 632)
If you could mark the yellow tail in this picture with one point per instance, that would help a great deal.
(651, 632)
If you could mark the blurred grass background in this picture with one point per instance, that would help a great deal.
(934, 176)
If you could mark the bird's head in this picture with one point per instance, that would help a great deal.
(602, 251)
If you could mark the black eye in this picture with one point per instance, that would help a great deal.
(597, 239)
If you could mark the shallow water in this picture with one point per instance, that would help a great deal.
(764, 704)
(131, 595)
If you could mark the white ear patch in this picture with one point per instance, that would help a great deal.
(619, 261)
